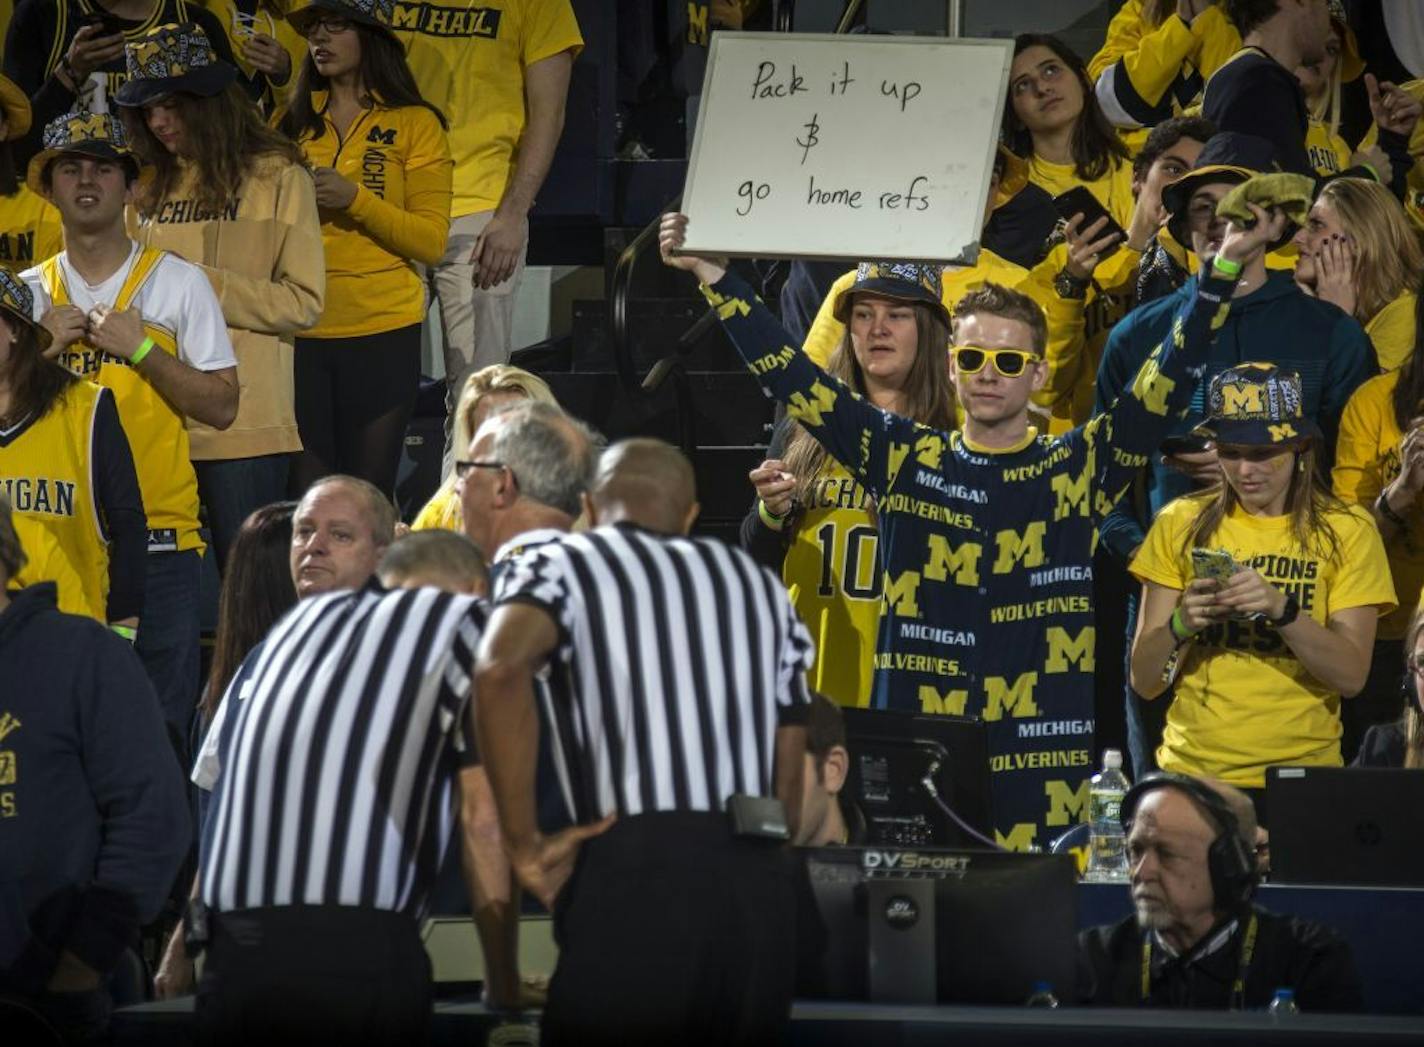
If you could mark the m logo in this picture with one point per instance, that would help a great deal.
(1020, 838)
(945, 561)
(1064, 650)
(1014, 547)
(951, 703)
(381, 137)
(901, 593)
(1071, 493)
(1016, 700)
(1285, 431)
(809, 410)
(1065, 804)
(87, 127)
(1237, 400)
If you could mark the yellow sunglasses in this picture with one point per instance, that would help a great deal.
(970, 359)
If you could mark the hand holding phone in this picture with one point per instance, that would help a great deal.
(1217, 565)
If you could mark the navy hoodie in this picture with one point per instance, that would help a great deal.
(1277, 323)
(93, 818)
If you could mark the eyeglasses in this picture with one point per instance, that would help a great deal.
(463, 468)
(1201, 213)
(970, 359)
(331, 23)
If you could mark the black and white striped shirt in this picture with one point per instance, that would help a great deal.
(332, 760)
(683, 656)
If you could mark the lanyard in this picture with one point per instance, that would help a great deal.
(1238, 987)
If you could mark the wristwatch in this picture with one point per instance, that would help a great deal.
(1288, 614)
(1069, 286)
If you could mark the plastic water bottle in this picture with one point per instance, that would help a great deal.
(1042, 996)
(1283, 1005)
(1107, 848)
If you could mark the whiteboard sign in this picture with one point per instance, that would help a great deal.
(850, 147)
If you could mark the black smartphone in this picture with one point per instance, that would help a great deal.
(1185, 443)
(1079, 200)
(106, 23)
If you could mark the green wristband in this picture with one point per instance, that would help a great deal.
(1179, 629)
(128, 632)
(144, 348)
(768, 517)
(1225, 266)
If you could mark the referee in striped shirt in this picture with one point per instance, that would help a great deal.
(333, 802)
(687, 709)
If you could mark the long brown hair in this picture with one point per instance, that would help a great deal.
(1308, 500)
(385, 76)
(37, 383)
(1413, 719)
(256, 590)
(926, 397)
(1096, 145)
(224, 137)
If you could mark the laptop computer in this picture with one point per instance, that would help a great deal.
(1346, 825)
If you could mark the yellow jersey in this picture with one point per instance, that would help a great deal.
(1367, 461)
(30, 230)
(1243, 700)
(46, 470)
(400, 161)
(1329, 153)
(178, 307)
(469, 57)
(1392, 331)
(441, 513)
(832, 573)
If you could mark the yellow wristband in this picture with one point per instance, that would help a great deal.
(143, 350)
(768, 517)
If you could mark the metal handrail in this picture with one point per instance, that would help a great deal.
(618, 291)
(848, 13)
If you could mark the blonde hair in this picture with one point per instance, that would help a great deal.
(1389, 256)
(497, 378)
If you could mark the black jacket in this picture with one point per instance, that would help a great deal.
(93, 816)
(1289, 954)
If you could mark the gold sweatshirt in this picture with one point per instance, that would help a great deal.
(263, 256)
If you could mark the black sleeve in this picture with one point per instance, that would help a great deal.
(1323, 971)
(1396, 147)
(27, 49)
(138, 789)
(1263, 99)
(1383, 746)
(120, 506)
(768, 547)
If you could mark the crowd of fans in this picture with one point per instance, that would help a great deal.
(221, 223)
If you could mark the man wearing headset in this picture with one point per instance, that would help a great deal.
(1195, 939)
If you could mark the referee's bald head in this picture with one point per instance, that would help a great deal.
(645, 482)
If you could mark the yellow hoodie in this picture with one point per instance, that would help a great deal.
(399, 159)
(263, 258)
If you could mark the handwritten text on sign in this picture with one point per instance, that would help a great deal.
(834, 146)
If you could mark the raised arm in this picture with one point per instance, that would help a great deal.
(1129, 431)
(855, 433)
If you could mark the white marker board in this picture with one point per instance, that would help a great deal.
(850, 147)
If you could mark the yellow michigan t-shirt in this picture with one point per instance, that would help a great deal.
(1366, 461)
(1244, 702)
(469, 57)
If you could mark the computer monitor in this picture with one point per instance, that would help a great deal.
(1357, 826)
(935, 926)
(892, 753)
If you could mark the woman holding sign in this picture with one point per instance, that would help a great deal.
(812, 522)
(1265, 589)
